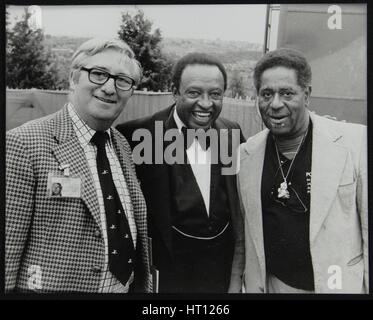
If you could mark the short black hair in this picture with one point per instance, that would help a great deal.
(288, 58)
(193, 59)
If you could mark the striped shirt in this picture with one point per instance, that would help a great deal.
(109, 283)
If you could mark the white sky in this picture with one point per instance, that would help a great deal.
(226, 22)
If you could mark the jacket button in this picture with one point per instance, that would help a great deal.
(96, 269)
(97, 233)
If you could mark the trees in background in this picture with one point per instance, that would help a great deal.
(236, 85)
(136, 31)
(37, 61)
(28, 64)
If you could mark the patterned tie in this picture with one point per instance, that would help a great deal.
(121, 248)
(203, 145)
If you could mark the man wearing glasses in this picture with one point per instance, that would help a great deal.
(93, 237)
(303, 188)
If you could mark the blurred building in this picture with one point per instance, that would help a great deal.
(334, 40)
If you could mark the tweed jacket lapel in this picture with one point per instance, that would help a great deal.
(250, 184)
(123, 151)
(326, 174)
(69, 151)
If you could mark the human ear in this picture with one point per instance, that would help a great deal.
(175, 92)
(307, 92)
(74, 77)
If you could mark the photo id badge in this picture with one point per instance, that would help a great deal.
(60, 186)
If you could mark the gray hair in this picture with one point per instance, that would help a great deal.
(97, 45)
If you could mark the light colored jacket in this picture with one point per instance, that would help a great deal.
(338, 215)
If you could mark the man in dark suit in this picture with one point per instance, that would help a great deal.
(93, 237)
(193, 212)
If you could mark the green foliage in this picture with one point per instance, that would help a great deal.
(28, 64)
(136, 31)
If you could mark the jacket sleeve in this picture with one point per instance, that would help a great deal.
(362, 204)
(20, 185)
(238, 263)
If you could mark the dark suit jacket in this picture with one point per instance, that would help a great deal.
(155, 185)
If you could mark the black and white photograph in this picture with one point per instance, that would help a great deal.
(186, 149)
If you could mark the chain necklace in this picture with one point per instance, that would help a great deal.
(283, 192)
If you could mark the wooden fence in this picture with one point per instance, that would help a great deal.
(25, 105)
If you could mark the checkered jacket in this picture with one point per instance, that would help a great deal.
(61, 237)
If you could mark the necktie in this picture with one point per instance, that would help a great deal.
(202, 143)
(121, 248)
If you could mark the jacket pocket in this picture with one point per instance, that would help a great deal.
(347, 195)
(355, 260)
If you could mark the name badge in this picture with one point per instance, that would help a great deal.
(61, 186)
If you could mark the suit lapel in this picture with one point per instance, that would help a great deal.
(251, 183)
(328, 160)
(69, 151)
(230, 180)
(159, 174)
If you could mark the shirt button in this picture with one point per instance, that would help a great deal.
(97, 233)
(96, 269)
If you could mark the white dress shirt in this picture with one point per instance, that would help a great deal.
(109, 283)
(200, 162)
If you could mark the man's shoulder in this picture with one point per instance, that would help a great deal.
(351, 132)
(134, 124)
(258, 138)
(225, 123)
(39, 128)
(35, 136)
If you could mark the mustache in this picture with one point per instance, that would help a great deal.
(277, 115)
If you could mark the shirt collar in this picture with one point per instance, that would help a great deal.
(82, 130)
(178, 121)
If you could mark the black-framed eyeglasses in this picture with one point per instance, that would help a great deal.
(98, 76)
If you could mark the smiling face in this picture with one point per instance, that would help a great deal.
(199, 98)
(283, 103)
(100, 105)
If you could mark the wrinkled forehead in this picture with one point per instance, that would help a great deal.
(201, 74)
(279, 77)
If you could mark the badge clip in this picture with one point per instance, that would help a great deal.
(66, 169)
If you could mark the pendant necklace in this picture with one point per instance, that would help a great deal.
(283, 192)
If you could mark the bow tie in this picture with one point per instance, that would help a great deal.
(204, 144)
